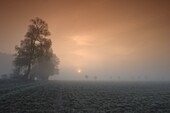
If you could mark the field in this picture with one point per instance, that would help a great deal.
(84, 97)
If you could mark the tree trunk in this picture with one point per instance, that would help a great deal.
(26, 76)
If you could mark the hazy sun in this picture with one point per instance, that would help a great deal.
(79, 70)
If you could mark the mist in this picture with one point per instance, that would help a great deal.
(126, 40)
(85, 56)
(6, 66)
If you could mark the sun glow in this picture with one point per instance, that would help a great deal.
(79, 71)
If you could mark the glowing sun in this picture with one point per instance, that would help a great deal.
(79, 71)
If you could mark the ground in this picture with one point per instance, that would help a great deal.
(84, 97)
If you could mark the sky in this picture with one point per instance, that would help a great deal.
(127, 39)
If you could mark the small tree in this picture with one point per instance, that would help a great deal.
(33, 48)
(86, 76)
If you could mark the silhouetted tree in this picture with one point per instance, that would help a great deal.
(86, 76)
(34, 50)
(119, 78)
(46, 66)
(95, 77)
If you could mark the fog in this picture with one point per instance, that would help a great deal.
(6, 63)
(107, 39)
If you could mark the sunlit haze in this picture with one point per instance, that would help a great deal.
(107, 39)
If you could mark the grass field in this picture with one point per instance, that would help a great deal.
(84, 97)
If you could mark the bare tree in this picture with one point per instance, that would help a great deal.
(86, 76)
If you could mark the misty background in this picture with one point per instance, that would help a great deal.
(110, 39)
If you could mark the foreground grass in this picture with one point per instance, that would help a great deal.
(84, 97)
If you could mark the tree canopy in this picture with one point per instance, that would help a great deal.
(34, 56)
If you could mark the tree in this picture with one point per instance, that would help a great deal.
(34, 50)
(86, 76)
(46, 66)
(95, 77)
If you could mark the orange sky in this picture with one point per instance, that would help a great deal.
(100, 37)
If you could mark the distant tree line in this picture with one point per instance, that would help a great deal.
(34, 56)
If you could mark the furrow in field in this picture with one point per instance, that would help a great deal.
(18, 89)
